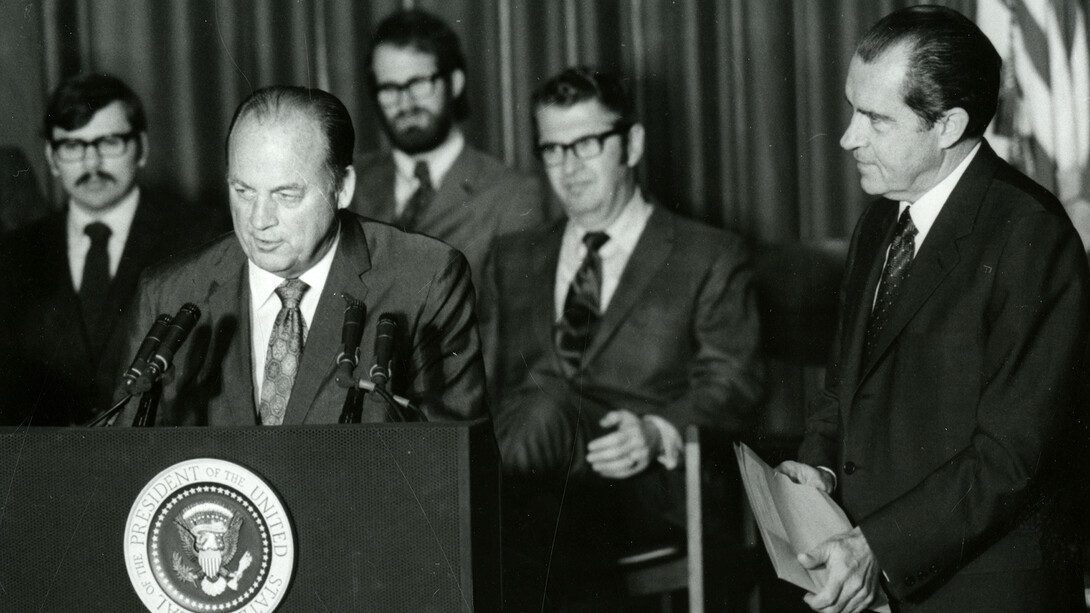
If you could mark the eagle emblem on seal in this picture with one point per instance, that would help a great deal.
(209, 537)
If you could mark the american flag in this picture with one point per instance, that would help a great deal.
(1043, 123)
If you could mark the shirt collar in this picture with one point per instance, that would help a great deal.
(927, 207)
(625, 230)
(263, 283)
(439, 159)
(118, 217)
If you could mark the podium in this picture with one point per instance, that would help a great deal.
(385, 517)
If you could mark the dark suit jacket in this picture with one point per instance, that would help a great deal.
(422, 282)
(52, 375)
(678, 340)
(950, 443)
(479, 199)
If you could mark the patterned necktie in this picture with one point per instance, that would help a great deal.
(582, 307)
(419, 200)
(285, 350)
(898, 264)
(95, 283)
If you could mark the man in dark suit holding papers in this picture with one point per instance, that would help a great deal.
(946, 424)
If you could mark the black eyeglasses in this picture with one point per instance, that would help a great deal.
(552, 154)
(418, 88)
(108, 146)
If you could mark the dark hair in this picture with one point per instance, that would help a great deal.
(583, 83)
(323, 107)
(951, 63)
(426, 33)
(78, 98)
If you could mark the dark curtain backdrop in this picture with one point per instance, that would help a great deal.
(742, 99)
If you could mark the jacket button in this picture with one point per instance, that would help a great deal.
(909, 581)
(849, 468)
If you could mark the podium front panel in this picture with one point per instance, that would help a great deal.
(386, 517)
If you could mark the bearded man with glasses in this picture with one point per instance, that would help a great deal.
(68, 277)
(617, 326)
(431, 180)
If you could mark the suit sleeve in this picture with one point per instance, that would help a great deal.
(447, 379)
(725, 373)
(1035, 334)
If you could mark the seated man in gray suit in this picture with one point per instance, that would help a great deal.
(273, 293)
(433, 182)
(617, 327)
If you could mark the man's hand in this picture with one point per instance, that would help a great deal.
(852, 585)
(804, 474)
(628, 450)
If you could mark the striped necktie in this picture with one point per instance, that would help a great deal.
(582, 307)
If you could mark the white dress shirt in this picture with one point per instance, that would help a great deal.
(265, 305)
(927, 207)
(118, 218)
(624, 233)
(439, 162)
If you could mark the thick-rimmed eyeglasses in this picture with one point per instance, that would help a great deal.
(108, 146)
(552, 154)
(418, 88)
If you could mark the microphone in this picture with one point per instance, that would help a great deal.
(385, 333)
(351, 333)
(147, 349)
(175, 335)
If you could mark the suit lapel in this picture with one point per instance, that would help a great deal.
(229, 295)
(876, 236)
(351, 261)
(541, 262)
(939, 254)
(457, 187)
(647, 258)
(140, 247)
(64, 316)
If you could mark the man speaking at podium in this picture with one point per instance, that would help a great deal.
(272, 294)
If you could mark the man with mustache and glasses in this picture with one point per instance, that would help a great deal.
(433, 182)
(68, 277)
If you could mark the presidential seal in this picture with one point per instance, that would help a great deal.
(209, 535)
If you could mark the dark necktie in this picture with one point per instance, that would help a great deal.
(419, 200)
(285, 351)
(583, 305)
(96, 281)
(898, 263)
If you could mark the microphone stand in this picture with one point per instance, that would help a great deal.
(149, 405)
(397, 407)
(352, 411)
(104, 418)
